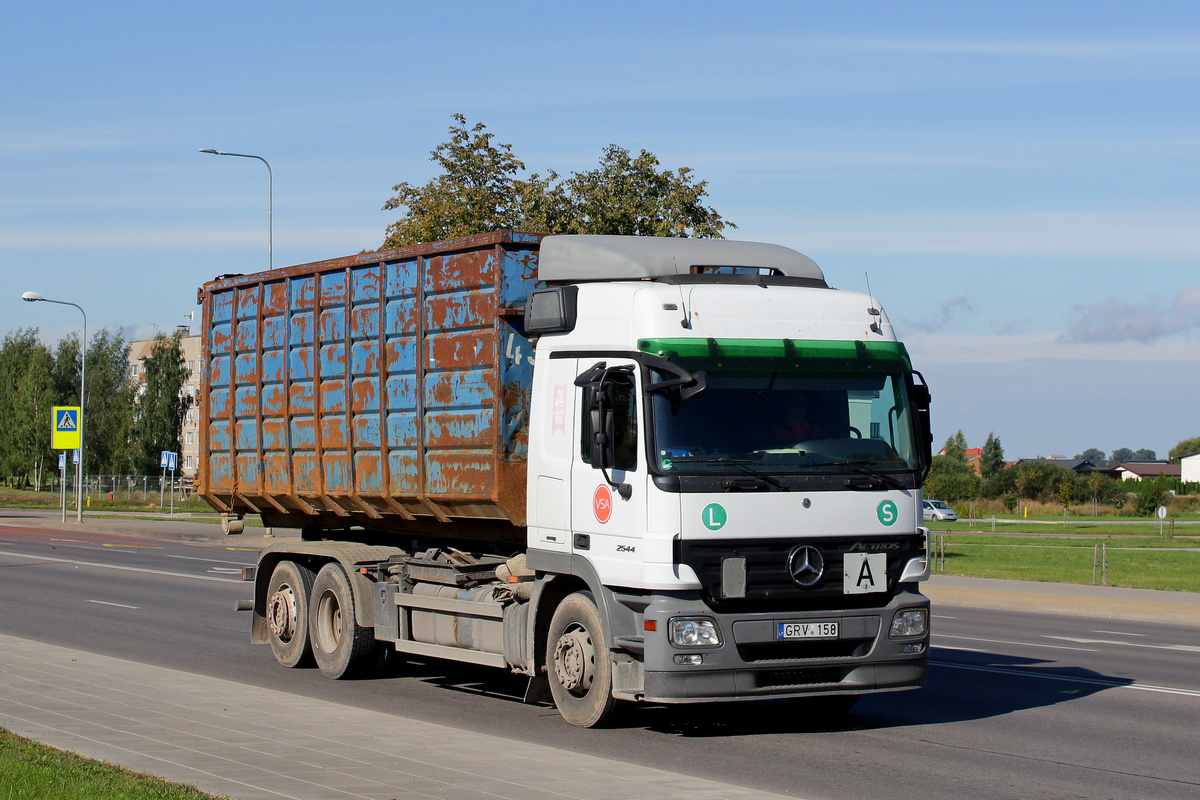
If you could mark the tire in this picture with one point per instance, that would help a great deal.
(287, 613)
(340, 646)
(578, 663)
(827, 705)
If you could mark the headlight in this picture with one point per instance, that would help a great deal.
(909, 623)
(694, 632)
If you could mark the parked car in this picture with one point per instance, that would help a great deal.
(938, 511)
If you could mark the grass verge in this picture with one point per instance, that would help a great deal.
(1148, 562)
(33, 771)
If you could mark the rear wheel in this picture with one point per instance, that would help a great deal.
(339, 644)
(287, 612)
(578, 663)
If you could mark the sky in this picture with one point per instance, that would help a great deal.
(1018, 181)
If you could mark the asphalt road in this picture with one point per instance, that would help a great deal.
(1018, 705)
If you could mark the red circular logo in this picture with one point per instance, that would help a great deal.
(602, 504)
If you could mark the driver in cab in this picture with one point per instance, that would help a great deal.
(797, 424)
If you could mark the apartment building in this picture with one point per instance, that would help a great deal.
(189, 458)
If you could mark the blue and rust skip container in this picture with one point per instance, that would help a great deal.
(388, 389)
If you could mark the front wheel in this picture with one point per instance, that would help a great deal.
(578, 663)
(339, 644)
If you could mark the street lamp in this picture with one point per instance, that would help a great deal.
(35, 297)
(270, 199)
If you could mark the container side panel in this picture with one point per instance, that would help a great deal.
(220, 368)
(247, 374)
(398, 378)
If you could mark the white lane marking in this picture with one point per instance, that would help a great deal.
(1144, 687)
(226, 570)
(942, 616)
(1182, 648)
(209, 560)
(118, 605)
(1120, 633)
(118, 566)
(1022, 644)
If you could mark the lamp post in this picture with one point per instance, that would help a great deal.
(35, 297)
(270, 199)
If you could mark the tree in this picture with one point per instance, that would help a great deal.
(160, 406)
(1094, 455)
(1144, 454)
(1120, 456)
(632, 197)
(1150, 495)
(108, 414)
(956, 447)
(478, 191)
(26, 398)
(1184, 449)
(1000, 483)
(1066, 490)
(992, 460)
(950, 479)
(1039, 479)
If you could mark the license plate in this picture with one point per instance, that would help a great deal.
(808, 630)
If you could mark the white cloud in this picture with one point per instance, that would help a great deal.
(194, 238)
(1114, 320)
(987, 348)
(1104, 233)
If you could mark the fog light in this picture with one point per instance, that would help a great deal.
(909, 623)
(694, 659)
(694, 632)
(914, 649)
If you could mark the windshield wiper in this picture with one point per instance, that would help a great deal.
(741, 464)
(861, 468)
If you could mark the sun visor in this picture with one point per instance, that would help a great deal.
(606, 258)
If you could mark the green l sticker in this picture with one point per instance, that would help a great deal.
(887, 513)
(714, 516)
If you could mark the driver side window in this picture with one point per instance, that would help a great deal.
(624, 422)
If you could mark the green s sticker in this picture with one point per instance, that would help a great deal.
(887, 513)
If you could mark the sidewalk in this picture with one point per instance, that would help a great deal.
(1148, 605)
(245, 742)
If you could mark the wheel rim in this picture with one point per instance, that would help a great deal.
(329, 622)
(281, 613)
(575, 660)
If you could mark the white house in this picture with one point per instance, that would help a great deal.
(1146, 470)
(1190, 466)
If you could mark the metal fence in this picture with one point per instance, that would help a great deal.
(130, 488)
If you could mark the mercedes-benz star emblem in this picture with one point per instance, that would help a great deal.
(805, 565)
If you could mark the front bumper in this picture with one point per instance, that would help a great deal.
(752, 663)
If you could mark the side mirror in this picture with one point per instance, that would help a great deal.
(920, 401)
(598, 398)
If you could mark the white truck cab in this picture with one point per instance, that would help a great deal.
(729, 453)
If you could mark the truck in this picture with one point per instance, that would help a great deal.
(632, 469)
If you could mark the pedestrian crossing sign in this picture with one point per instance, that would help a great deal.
(65, 430)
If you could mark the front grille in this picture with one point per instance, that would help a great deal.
(800, 651)
(798, 677)
(768, 584)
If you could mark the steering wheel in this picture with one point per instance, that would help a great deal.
(847, 429)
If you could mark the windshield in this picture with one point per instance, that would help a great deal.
(792, 417)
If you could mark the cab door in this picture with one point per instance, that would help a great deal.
(608, 500)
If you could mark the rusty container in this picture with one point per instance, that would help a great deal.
(388, 390)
